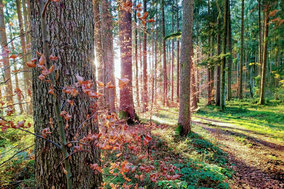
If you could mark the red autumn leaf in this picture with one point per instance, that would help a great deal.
(63, 113)
(100, 84)
(41, 77)
(51, 69)
(110, 85)
(13, 56)
(123, 82)
(51, 91)
(31, 64)
(38, 53)
(79, 79)
(54, 58)
(4, 128)
(20, 124)
(145, 15)
(34, 60)
(96, 167)
(151, 20)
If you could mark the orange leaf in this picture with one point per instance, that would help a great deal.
(100, 84)
(31, 64)
(51, 69)
(13, 56)
(80, 79)
(54, 58)
(42, 60)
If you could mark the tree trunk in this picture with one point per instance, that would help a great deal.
(173, 55)
(5, 55)
(218, 83)
(240, 91)
(145, 75)
(184, 120)
(223, 63)
(178, 44)
(259, 34)
(230, 58)
(107, 44)
(136, 57)
(165, 92)
(263, 66)
(23, 44)
(75, 51)
(125, 36)
(99, 51)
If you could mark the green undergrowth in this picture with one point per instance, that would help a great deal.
(266, 120)
(17, 156)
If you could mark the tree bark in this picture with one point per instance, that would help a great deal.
(125, 36)
(230, 58)
(67, 33)
(178, 52)
(107, 46)
(136, 56)
(5, 55)
(184, 120)
(173, 55)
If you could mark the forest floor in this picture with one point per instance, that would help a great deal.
(250, 135)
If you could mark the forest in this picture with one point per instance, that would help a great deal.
(141, 94)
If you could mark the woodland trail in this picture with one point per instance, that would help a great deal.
(257, 159)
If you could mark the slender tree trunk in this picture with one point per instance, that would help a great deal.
(5, 55)
(240, 95)
(223, 63)
(145, 76)
(53, 166)
(230, 58)
(173, 55)
(184, 120)
(263, 66)
(259, 34)
(136, 57)
(23, 44)
(165, 92)
(193, 85)
(218, 84)
(125, 36)
(107, 48)
(99, 51)
(178, 44)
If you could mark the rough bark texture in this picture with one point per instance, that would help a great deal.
(145, 75)
(165, 97)
(173, 55)
(184, 120)
(125, 37)
(69, 36)
(218, 66)
(240, 82)
(264, 59)
(5, 55)
(107, 44)
(223, 63)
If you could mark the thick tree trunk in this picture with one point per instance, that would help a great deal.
(240, 89)
(165, 92)
(223, 63)
(145, 75)
(5, 55)
(184, 120)
(263, 66)
(125, 36)
(107, 45)
(75, 51)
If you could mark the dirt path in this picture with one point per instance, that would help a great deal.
(257, 161)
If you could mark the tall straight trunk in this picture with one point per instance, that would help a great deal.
(141, 64)
(210, 73)
(173, 55)
(125, 36)
(165, 92)
(107, 46)
(23, 45)
(265, 44)
(223, 63)
(5, 55)
(184, 120)
(230, 58)
(218, 83)
(178, 44)
(259, 34)
(156, 63)
(193, 85)
(136, 57)
(145, 76)
(197, 69)
(240, 91)
(53, 166)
